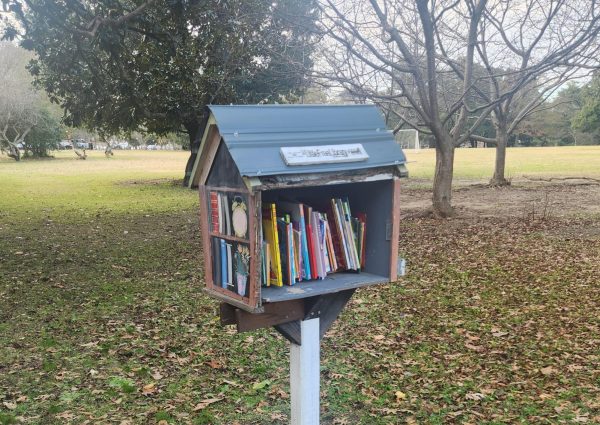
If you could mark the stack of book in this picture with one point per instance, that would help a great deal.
(222, 263)
(301, 243)
(220, 212)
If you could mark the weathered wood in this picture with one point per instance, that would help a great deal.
(290, 331)
(224, 171)
(395, 213)
(255, 225)
(232, 298)
(274, 314)
(317, 179)
(208, 153)
(205, 235)
(227, 314)
(327, 308)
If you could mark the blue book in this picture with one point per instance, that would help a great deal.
(223, 264)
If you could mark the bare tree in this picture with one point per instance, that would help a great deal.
(396, 53)
(529, 49)
(445, 67)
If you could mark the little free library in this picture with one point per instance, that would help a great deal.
(299, 207)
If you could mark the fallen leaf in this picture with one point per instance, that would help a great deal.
(207, 402)
(548, 370)
(10, 405)
(378, 337)
(477, 348)
(474, 396)
(261, 385)
(149, 389)
(400, 396)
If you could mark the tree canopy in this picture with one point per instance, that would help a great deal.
(124, 65)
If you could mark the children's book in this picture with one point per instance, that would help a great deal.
(272, 239)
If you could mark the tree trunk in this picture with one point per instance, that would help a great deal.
(442, 181)
(14, 152)
(193, 130)
(499, 178)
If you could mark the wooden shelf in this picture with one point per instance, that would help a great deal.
(334, 282)
(230, 238)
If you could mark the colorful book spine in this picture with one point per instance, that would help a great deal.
(224, 272)
(214, 211)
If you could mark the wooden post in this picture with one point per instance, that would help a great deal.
(305, 374)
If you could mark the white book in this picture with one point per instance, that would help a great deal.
(220, 213)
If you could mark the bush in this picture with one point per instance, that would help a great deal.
(44, 137)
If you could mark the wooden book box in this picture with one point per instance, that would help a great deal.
(253, 156)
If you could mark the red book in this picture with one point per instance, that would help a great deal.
(214, 211)
(311, 247)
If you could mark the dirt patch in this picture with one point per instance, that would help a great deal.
(524, 200)
(153, 182)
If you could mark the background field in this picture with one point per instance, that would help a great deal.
(102, 319)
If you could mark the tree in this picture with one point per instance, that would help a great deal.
(43, 137)
(19, 102)
(396, 52)
(540, 45)
(129, 65)
(587, 119)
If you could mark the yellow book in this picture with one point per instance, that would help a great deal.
(272, 239)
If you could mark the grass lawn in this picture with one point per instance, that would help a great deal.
(102, 319)
(478, 164)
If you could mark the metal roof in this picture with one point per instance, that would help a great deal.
(254, 135)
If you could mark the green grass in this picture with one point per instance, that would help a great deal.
(478, 164)
(102, 317)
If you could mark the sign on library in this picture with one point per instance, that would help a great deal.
(308, 155)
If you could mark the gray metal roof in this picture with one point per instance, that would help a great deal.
(254, 135)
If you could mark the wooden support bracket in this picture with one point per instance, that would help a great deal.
(326, 307)
(274, 314)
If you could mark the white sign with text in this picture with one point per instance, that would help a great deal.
(327, 154)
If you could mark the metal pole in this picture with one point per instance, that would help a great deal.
(305, 375)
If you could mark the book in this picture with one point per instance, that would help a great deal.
(296, 211)
(337, 235)
(310, 242)
(298, 254)
(229, 266)
(272, 238)
(223, 263)
(227, 214)
(284, 250)
(220, 215)
(216, 245)
(214, 211)
(362, 218)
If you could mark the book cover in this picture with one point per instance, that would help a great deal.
(362, 218)
(338, 237)
(296, 210)
(227, 214)
(229, 267)
(220, 210)
(284, 253)
(272, 238)
(310, 242)
(223, 263)
(216, 245)
(214, 212)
